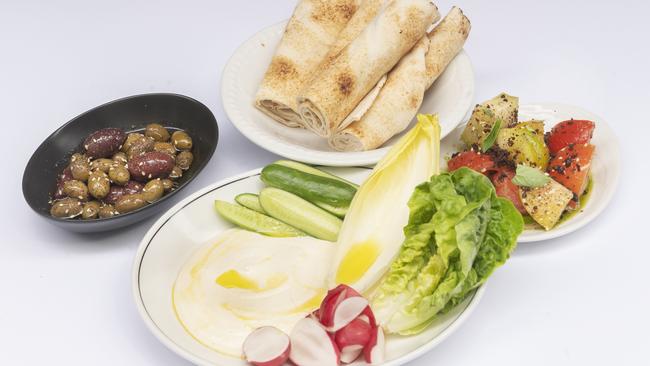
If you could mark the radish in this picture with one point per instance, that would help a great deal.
(346, 311)
(340, 306)
(350, 353)
(267, 346)
(357, 333)
(332, 300)
(368, 316)
(315, 314)
(312, 345)
(374, 351)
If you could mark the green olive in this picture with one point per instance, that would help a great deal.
(181, 140)
(130, 202)
(101, 164)
(66, 208)
(99, 184)
(153, 190)
(157, 132)
(176, 173)
(91, 210)
(165, 147)
(184, 159)
(76, 189)
(120, 158)
(119, 174)
(168, 185)
(107, 211)
(140, 146)
(79, 167)
(130, 139)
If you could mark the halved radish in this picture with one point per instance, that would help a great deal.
(357, 333)
(312, 345)
(348, 310)
(375, 349)
(350, 353)
(368, 316)
(267, 346)
(333, 298)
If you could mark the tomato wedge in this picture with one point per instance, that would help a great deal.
(502, 181)
(570, 167)
(471, 159)
(573, 131)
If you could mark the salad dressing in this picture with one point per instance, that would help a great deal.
(357, 261)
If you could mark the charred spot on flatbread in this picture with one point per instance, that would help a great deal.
(410, 23)
(345, 83)
(333, 11)
(414, 101)
(282, 68)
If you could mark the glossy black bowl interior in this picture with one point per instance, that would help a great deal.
(131, 113)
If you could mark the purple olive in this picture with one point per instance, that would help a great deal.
(114, 194)
(104, 143)
(133, 187)
(65, 176)
(150, 165)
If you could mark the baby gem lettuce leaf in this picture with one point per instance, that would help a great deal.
(530, 177)
(469, 232)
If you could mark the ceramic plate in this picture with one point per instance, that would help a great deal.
(193, 223)
(604, 167)
(450, 97)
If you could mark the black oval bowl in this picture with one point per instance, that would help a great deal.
(131, 113)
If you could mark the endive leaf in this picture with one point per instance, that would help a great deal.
(372, 232)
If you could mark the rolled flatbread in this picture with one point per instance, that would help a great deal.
(367, 11)
(309, 35)
(401, 97)
(341, 85)
(447, 39)
(394, 107)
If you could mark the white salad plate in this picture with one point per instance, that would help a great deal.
(192, 223)
(450, 97)
(605, 166)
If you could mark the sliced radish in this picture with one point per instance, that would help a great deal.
(369, 316)
(357, 333)
(331, 302)
(347, 310)
(312, 345)
(375, 349)
(267, 346)
(315, 314)
(350, 353)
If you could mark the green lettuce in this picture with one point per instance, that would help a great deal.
(458, 233)
(504, 226)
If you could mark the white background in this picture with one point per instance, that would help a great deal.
(66, 298)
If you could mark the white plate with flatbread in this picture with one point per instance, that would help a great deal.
(450, 97)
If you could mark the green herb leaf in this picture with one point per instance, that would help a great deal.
(530, 177)
(492, 136)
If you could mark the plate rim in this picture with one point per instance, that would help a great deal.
(327, 158)
(180, 351)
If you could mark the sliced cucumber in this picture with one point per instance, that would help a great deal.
(250, 200)
(330, 194)
(299, 213)
(254, 221)
(311, 170)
